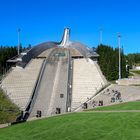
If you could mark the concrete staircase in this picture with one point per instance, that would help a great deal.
(87, 80)
(128, 93)
(19, 83)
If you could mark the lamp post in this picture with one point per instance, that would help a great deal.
(19, 41)
(101, 35)
(119, 40)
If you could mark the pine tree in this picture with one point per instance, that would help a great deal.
(109, 63)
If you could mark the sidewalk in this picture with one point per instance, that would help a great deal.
(4, 125)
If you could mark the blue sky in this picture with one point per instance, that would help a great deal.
(44, 20)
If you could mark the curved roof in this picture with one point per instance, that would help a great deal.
(83, 49)
(35, 51)
(38, 49)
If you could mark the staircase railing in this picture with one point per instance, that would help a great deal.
(101, 89)
(34, 93)
(69, 83)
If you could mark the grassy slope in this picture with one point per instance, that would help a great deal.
(124, 106)
(136, 71)
(131, 74)
(8, 111)
(78, 126)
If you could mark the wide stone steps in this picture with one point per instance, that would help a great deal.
(86, 81)
(19, 83)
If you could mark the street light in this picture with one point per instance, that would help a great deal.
(19, 40)
(101, 35)
(119, 38)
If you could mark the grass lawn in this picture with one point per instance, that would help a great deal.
(135, 71)
(78, 126)
(131, 74)
(8, 110)
(123, 106)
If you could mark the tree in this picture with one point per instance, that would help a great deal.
(108, 62)
(6, 53)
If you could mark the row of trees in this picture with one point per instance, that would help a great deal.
(133, 59)
(6, 52)
(108, 61)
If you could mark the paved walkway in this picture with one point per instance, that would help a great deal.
(93, 111)
(136, 76)
(4, 125)
(110, 111)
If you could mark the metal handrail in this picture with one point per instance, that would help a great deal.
(34, 95)
(69, 83)
(101, 89)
